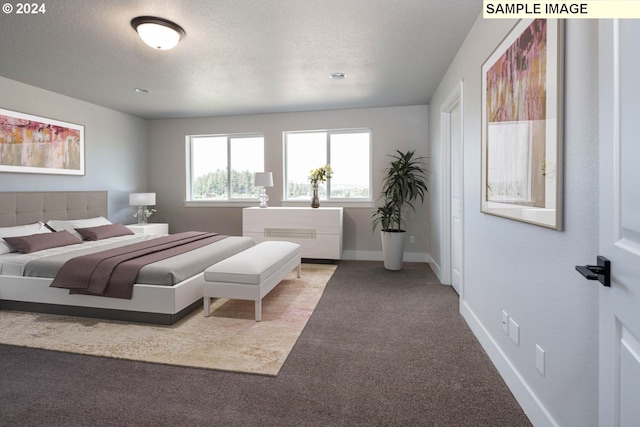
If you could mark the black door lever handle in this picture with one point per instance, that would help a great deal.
(600, 272)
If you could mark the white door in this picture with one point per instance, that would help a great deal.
(456, 198)
(452, 184)
(620, 222)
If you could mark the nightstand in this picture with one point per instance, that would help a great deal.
(153, 228)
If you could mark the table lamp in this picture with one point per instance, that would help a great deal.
(263, 179)
(142, 200)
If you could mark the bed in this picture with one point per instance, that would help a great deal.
(155, 299)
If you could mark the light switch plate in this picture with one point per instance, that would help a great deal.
(505, 322)
(514, 332)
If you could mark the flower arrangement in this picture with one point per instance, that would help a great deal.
(146, 212)
(320, 174)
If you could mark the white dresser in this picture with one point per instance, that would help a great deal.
(318, 231)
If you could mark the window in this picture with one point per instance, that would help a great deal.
(347, 151)
(222, 167)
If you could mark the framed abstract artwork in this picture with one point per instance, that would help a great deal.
(32, 144)
(522, 124)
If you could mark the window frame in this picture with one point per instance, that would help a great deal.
(229, 201)
(332, 201)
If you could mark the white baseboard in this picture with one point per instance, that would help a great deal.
(377, 256)
(533, 408)
(435, 267)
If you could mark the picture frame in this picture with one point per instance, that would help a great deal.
(522, 124)
(32, 144)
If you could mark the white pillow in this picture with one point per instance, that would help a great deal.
(71, 224)
(20, 230)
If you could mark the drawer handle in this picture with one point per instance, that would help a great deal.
(300, 233)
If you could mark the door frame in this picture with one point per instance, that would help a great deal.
(453, 100)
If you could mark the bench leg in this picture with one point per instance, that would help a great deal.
(258, 310)
(299, 269)
(207, 306)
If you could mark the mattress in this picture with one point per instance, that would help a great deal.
(167, 272)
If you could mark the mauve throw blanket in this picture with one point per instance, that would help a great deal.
(112, 273)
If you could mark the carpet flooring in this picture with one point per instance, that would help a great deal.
(382, 348)
(230, 339)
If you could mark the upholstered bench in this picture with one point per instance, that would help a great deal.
(251, 274)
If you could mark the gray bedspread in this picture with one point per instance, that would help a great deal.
(167, 272)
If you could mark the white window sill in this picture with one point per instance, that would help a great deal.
(331, 203)
(220, 204)
(368, 204)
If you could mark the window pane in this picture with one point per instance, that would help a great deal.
(247, 158)
(209, 168)
(348, 152)
(305, 151)
(350, 164)
(222, 167)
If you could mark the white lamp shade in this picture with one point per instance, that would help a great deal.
(142, 199)
(263, 179)
(158, 36)
(158, 33)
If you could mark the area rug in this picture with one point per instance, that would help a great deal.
(230, 339)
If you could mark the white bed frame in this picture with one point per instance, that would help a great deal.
(149, 303)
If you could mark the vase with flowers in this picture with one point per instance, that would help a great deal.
(316, 176)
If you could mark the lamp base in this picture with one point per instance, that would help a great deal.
(263, 198)
(142, 217)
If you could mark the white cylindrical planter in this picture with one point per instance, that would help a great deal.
(393, 249)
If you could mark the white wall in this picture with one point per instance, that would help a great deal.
(393, 128)
(115, 147)
(524, 269)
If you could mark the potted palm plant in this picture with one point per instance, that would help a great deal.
(404, 183)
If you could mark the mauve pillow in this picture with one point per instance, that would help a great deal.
(38, 242)
(103, 231)
(20, 230)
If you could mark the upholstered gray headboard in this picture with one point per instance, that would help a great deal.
(18, 208)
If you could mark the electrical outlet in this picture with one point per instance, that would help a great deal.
(540, 359)
(505, 322)
(514, 332)
(412, 240)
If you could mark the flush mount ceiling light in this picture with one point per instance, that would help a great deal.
(158, 33)
(337, 76)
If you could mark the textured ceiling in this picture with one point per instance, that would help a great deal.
(239, 56)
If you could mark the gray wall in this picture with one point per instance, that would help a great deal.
(393, 128)
(124, 154)
(115, 148)
(524, 269)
